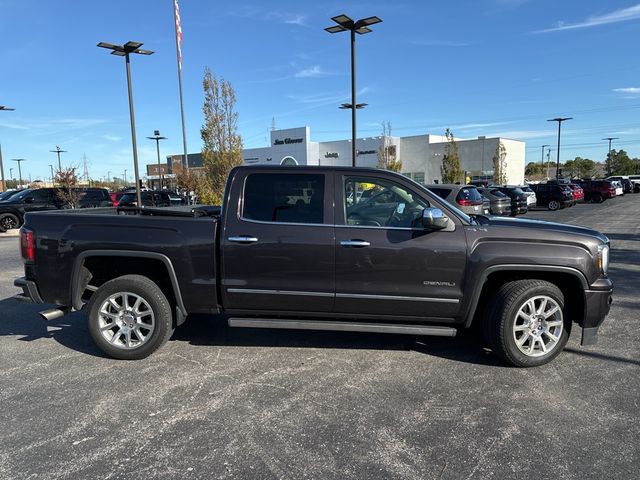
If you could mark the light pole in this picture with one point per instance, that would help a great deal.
(125, 51)
(125, 178)
(108, 175)
(542, 158)
(58, 151)
(559, 120)
(157, 138)
(360, 27)
(609, 154)
(3, 185)
(52, 176)
(19, 160)
(548, 161)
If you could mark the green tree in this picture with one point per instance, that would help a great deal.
(387, 153)
(619, 163)
(580, 168)
(222, 145)
(533, 168)
(500, 164)
(450, 170)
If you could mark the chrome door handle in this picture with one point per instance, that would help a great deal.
(243, 239)
(355, 243)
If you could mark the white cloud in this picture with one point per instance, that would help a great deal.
(296, 20)
(440, 43)
(112, 138)
(622, 15)
(628, 90)
(522, 134)
(311, 72)
(475, 126)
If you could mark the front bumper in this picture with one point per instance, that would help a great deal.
(30, 291)
(596, 307)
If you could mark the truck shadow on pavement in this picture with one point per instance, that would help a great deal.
(22, 320)
(213, 331)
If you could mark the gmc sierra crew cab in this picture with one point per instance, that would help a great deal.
(362, 250)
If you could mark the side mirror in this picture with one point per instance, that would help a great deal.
(434, 219)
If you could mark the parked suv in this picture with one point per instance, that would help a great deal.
(466, 197)
(531, 196)
(150, 198)
(597, 191)
(94, 197)
(518, 199)
(553, 196)
(30, 200)
(500, 203)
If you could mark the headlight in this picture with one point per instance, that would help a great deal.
(603, 258)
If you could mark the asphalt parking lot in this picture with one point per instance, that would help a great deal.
(222, 403)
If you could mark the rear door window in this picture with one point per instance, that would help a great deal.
(284, 197)
(469, 193)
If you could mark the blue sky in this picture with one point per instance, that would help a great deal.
(480, 67)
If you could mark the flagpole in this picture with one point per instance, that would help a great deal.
(178, 27)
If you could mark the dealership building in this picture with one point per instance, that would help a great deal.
(420, 155)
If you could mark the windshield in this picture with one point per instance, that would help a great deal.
(20, 195)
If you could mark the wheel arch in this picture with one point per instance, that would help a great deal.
(571, 282)
(157, 267)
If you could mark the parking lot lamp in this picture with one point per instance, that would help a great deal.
(3, 185)
(58, 151)
(19, 160)
(542, 159)
(345, 23)
(52, 175)
(124, 178)
(559, 120)
(125, 51)
(157, 138)
(609, 154)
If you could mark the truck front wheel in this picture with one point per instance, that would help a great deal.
(524, 323)
(129, 317)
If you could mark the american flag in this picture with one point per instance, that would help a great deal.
(176, 12)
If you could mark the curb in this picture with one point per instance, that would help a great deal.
(11, 233)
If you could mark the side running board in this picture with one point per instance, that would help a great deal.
(342, 326)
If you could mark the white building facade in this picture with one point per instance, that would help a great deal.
(421, 155)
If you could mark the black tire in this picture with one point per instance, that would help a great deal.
(502, 315)
(553, 205)
(153, 300)
(9, 221)
(597, 198)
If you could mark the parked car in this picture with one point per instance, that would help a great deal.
(465, 197)
(94, 197)
(176, 199)
(150, 198)
(500, 203)
(13, 209)
(9, 193)
(531, 196)
(486, 205)
(630, 183)
(518, 199)
(618, 187)
(627, 185)
(635, 179)
(597, 191)
(553, 196)
(263, 262)
(578, 193)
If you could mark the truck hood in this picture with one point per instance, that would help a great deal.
(542, 229)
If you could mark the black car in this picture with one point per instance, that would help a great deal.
(553, 196)
(517, 196)
(150, 198)
(500, 203)
(9, 193)
(30, 200)
(93, 197)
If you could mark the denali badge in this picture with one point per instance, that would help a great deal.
(438, 284)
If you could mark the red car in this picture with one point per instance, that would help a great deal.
(576, 190)
(115, 197)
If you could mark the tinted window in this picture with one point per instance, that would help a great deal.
(41, 196)
(470, 194)
(284, 197)
(497, 193)
(388, 205)
(441, 192)
(94, 195)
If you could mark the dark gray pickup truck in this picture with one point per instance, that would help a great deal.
(322, 249)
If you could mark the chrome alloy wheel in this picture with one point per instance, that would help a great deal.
(538, 326)
(126, 320)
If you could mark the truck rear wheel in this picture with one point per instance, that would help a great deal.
(129, 317)
(524, 323)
